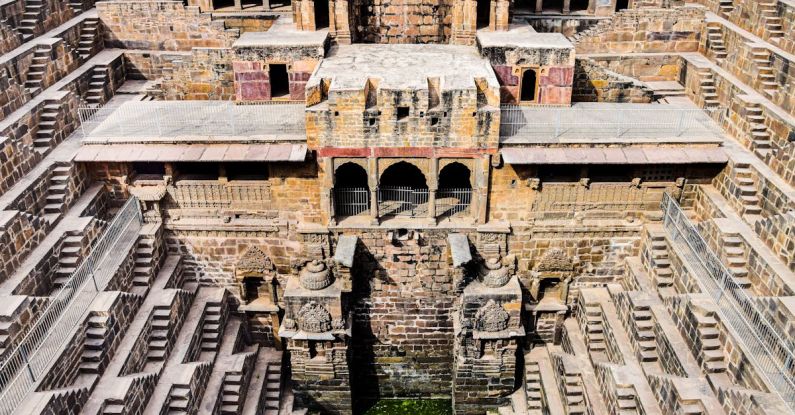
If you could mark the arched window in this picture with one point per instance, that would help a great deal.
(529, 93)
(351, 192)
(403, 191)
(455, 190)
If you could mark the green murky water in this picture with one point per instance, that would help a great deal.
(411, 407)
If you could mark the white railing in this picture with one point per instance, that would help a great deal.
(450, 201)
(351, 201)
(772, 356)
(185, 118)
(402, 201)
(519, 123)
(28, 362)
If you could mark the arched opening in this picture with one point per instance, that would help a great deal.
(529, 84)
(483, 13)
(321, 14)
(403, 191)
(622, 4)
(455, 190)
(351, 192)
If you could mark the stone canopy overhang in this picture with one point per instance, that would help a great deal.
(192, 152)
(611, 155)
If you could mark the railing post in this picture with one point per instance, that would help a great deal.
(27, 365)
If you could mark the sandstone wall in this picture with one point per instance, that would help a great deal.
(9, 39)
(749, 15)
(205, 74)
(644, 30)
(161, 25)
(643, 68)
(403, 21)
(595, 83)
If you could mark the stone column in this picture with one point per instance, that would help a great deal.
(480, 189)
(433, 185)
(539, 5)
(566, 6)
(372, 164)
(502, 17)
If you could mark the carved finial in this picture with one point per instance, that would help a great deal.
(494, 273)
(491, 317)
(315, 275)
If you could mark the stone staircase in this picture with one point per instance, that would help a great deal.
(769, 11)
(767, 80)
(56, 192)
(179, 400)
(45, 133)
(534, 389)
(30, 19)
(736, 262)
(749, 200)
(158, 336)
(95, 344)
(68, 260)
(712, 358)
(38, 69)
(232, 393)
(594, 328)
(76, 6)
(95, 96)
(5, 334)
(659, 262)
(715, 41)
(88, 32)
(725, 7)
(211, 328)
(273, 388)
(143, 271)
(643, 332)
(760, 135)
(707, 88)
(626, 401)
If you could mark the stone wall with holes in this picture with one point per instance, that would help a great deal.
(644, 30)
(595, 83)
(467, 118)
(161, 25)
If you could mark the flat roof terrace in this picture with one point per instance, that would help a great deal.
(193, 131)
(404, 67)
(609, 123)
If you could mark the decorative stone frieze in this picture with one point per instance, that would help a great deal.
(491, 317)
(314, 318)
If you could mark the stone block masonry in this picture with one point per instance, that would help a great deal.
(162, 25)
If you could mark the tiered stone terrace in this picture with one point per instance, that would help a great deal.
(349, 201)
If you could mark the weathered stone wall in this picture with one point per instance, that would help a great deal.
(16, 158)
(161, 25)
(9, 39)
(595, 83)
(651, 67)
(11, 12)
(251, 70)
(403, 21)
(778, 232)
(205, 74)
(750, 15)
(644, 30)
(19, 234)
(151, 65)
(567, 26)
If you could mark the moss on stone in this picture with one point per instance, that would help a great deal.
(411, 406)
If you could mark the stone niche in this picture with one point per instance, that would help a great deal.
(532, 68)
(549, 293)
(488, 330)
(256, 276)
(317, 328)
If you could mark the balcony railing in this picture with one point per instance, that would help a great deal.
(29, 361)
(772, 356)
(401, 201)
(154, 119)
(617, 121)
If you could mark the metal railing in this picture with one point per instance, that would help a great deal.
(351, 201)
(402, 201)
(197, 118)
(772, 356)
(450, 201)
(519, 123)
(27, 363)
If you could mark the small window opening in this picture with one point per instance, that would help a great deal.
(483, 13)
(529, 86)
(578, 5)
(402, 113)
(321, 14)
(146, 170)
(622, 5)
(434, 121)
(197, 171)
(280, 83)
(247, 171)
